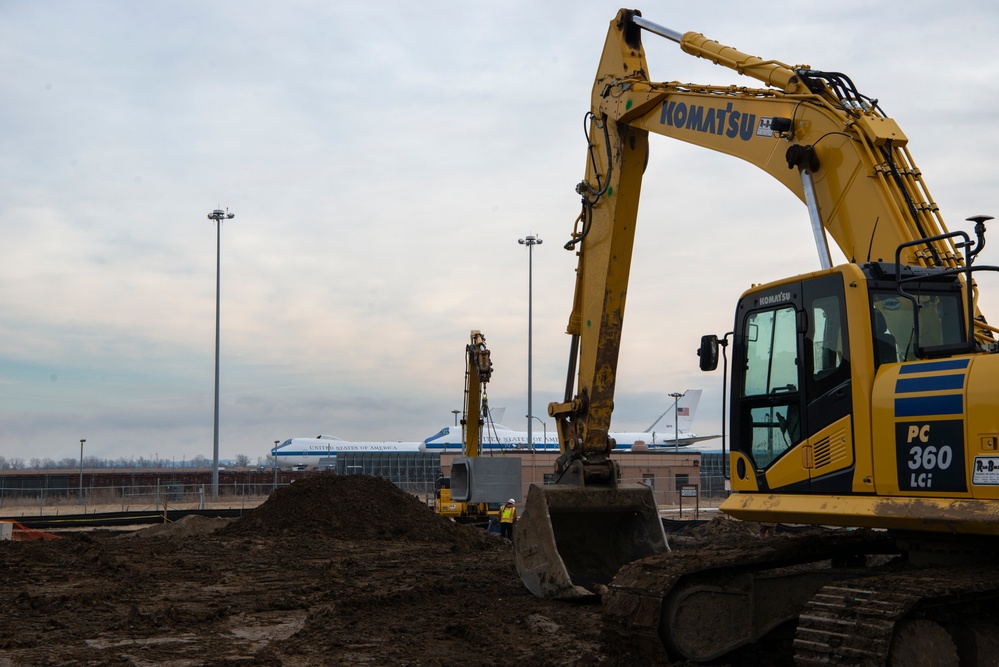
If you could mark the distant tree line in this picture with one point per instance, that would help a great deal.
(93, 462)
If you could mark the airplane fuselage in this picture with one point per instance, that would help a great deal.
(449, 439)
(322, 451)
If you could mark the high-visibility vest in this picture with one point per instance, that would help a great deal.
(508, 513)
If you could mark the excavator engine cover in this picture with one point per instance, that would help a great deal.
(572, 540)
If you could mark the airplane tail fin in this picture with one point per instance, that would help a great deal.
(497, 414)
(686, 406)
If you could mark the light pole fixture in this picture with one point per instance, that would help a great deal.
(218, 215)
(676, 420)
(456, 413)
(530, 242)
(82, 440)
(544, 426)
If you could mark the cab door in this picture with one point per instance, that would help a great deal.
(791, 383)
(768, 415)
(829, 452)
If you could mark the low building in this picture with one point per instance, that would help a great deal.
(666, 471)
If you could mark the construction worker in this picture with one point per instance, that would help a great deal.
(508, 517)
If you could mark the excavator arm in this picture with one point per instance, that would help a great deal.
(478, 371)
(813, 131)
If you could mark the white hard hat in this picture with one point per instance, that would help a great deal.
(511, 501)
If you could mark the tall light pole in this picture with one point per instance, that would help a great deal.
(456, 413)
(82, 440)
(543, 426)
(276, 443)
(218, 215)
(676, 420)
(530, 242)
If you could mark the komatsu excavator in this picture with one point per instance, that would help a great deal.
(478, 372)
(863, 396)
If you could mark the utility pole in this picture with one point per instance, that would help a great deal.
(276, 443)
(82, 440)
(530, 242)
(676, 420)
(218, 215)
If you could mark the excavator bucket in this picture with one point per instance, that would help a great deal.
(572, 540)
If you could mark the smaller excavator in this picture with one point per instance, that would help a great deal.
(864, 395)
(474, 492)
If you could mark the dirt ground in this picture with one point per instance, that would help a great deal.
(330, 570)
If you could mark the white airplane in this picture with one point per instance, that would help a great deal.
(498, 437)
(321, 451)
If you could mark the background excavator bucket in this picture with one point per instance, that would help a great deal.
(571, 540)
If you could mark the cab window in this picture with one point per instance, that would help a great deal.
(771, 352)
(826, 337)
(941, 323)
(771, 370)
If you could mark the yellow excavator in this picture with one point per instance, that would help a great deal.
(478, 372)
(863, 396)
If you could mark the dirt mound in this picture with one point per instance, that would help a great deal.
(353, 507)
(724, 529)
(187, 526)
(717, 531)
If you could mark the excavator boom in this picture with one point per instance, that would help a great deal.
(478, 371)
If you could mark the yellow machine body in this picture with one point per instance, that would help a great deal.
(831, 422)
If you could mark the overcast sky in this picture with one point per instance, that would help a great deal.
(382, 159)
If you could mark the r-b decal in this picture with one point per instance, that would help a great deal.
(929, 456)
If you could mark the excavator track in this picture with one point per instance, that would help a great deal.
(943, 616)
(702, 604)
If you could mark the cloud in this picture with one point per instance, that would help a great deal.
(382, 159)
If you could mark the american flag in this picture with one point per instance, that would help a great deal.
(683, 412)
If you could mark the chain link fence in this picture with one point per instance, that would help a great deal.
(415, 473)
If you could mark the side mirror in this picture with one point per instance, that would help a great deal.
(708, 352)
